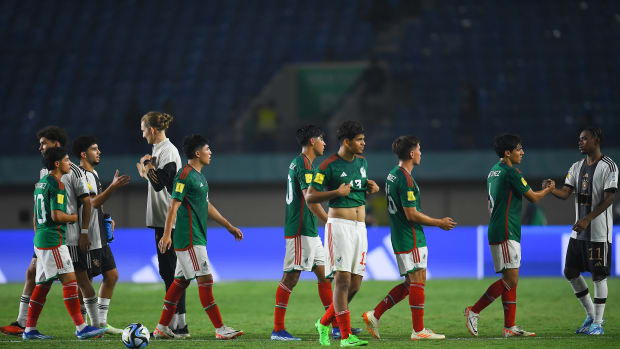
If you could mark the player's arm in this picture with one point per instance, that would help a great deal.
(535, 196)
(608, 199)
(162, 177)
(171, 216)
(314, 196)
(117, 182)
(316, 208)
(61, 217)
(562, 193)
(372, 187)
(216, 216)
(83, 242)
(415, 216)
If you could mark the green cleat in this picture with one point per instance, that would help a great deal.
(324, 332)
(353, 341)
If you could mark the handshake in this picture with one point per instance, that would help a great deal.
(548, 183)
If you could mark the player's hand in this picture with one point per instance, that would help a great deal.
(372, 187)
(344, 189)
(146, 157)
(73, 217)
(236, 232)
(83, 242)
(548, 183)
(141, 169)
(447, 223)
(581, 225)
(164, 244)
(118, 182)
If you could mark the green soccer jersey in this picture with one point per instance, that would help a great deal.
(506, 187)
(299, 219)
(334, 171)
(402, 191)
(49, 195)
(191, 188)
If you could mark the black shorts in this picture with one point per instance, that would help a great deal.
(79, 258)
(591, 256)
(100, 261)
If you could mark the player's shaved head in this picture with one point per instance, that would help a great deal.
(505, 142)
(349, 129)
(191, 144)
(403, 145)
(308, 132)
(53, 133)
(52, 155)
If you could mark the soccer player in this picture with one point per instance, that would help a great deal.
(100, 257)
(341, 179)
(190, 207)
(53, 258)
(408, 240)
(77, 194)
(506, 187)
(159, 168)
(595, 182)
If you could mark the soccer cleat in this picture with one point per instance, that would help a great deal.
(337, 335)
(323, 333)
(111, 329)
(14, 329)
(472, 321)
(181, 332)
(595, 330)
(372, 323)
(283, 335)
(34, 334)
(226, 332)
(586, 325)
(353, 341)
(163, 332)
(426, 334)
(90, 332)
(516, 331)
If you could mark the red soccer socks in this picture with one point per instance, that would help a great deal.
(72, 301)
(416, 303)
(37, 300)
(344, 322)
(282, 295)
(397, 294)
(509, 301)
(205, 290)
(495, 290)
(174, 293)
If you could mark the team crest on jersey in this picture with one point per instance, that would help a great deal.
(308, 178)
(61, 198)
(319, 178)
(363, 172)
(584, 182)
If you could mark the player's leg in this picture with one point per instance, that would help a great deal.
(417, 283)
(72, 303)
(183, 273)
(85, 285)
(37, 301)
(110, 278)
(575, 263)
(292, 268)
(167, 267)
(16, 328)
(599, 264)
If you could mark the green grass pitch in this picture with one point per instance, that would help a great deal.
(545, 305)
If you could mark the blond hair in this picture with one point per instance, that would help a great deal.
(157, 120)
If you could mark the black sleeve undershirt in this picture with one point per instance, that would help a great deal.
(163, 177)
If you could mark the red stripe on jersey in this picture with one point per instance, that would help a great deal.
(189, 212)
(508, 212)
(328, 161)
(186, 170)
(408, 176)
(306, 162)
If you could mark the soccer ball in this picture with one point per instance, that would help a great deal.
(136, 336)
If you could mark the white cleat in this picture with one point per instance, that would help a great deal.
(163, 332)
(426, 334)
(472, 321)
(516, 331)
(226, 332)
(372, 323)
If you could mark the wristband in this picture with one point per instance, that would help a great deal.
(84, 231)
(146, 162)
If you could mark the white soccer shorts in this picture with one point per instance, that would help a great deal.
(412, 261)
(303, 253)
(506, 255)
(346, 245)
(52, 262)
(192, 262)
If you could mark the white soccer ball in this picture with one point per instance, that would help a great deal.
(136, 335)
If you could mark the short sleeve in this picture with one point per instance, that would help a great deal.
(406, 192)
(304, 177)
(80, 185)
(517, 181)
(571, 176)
(58, 200)
(319, 181)
(611, 178)
(179, 188)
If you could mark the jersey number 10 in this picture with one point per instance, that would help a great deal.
(39, 208)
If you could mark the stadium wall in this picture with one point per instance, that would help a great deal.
(460, 253)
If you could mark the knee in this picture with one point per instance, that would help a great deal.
(110, 278)
(598, 277)
(290, 279)
(570, 274)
